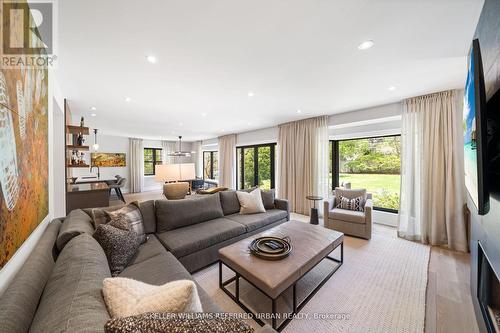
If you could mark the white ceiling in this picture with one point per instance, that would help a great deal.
(293, 54)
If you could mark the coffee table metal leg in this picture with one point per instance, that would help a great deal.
(273, 313)
(238, 287)
(295, 298)
(220, 274)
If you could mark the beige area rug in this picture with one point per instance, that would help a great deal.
(381, 287)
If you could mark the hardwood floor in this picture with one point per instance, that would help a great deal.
(448, 303)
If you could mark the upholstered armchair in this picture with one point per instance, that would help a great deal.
(350, 222)
(176, 191)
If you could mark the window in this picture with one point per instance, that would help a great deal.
(210, 165)
(255, 166)
(371, 163)
(152, 157)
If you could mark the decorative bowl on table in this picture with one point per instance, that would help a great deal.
(270, 248)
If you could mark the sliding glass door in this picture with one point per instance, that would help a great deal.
(255, 166)
(371, 163)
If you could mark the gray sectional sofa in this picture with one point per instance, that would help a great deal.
(58, 289)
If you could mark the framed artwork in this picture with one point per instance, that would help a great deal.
(108, 159)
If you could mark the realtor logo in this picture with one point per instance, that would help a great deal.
(27, 28)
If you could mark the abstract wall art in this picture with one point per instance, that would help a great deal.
(24, 163)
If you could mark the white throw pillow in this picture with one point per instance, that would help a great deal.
(127, 297)
(251, 203)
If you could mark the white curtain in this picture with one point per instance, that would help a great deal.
(166, 148)
(432, 188)
(136, 165)
(198, 158)
(303, 162)
(227, 161)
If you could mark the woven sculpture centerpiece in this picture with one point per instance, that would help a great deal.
(270, 247)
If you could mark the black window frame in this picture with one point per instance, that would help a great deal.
(336, 165)
(240, 178)
(212, 152)
(154, 161)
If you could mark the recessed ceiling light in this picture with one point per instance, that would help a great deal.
(250, 94)
(203, 114)
(249, 124)
(181, 124)
(299, 111)
(127, 99)
(151, 59)
(93, 115)
(367, 44)
(392, 88)
(93, 108)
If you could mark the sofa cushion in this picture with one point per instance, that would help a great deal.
(151, 248)
(229, 202)
(133, 215)
(164, 268)
(196, 237)
(19, 301)
(251, 203)
(128, 297)
(147, 209)
(347, 215)
(268, 198)
(162, 322)
(119, 242)
(173, 214)
(256, 221)
(72, 299)
(76, 223)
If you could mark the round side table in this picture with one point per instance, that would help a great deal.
(314, 211)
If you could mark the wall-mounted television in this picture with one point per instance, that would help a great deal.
(475, 131)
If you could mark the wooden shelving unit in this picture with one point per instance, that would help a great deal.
(70, 129)
(73, 147)
(78, 166)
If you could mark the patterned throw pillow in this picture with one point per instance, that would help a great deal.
(168, 322)
(119, 244)
(351, 204)
(127, 297)
(132, 213)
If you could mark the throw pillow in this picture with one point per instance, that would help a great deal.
(268, 198)
(167, 322)
(119, 245)
(132, 213)
(250, 203)
(352, 204)
(127, 297)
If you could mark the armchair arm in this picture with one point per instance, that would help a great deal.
(329, 204)
(368, 216)
(283, 204)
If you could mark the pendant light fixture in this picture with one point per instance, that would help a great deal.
(180, 152)
(96, 145)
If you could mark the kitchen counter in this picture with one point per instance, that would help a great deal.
(81, 180)
(79, 187)
(87, 195)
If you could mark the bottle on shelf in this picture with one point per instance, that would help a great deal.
(82, 122)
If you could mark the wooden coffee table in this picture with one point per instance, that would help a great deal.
(311, 245)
